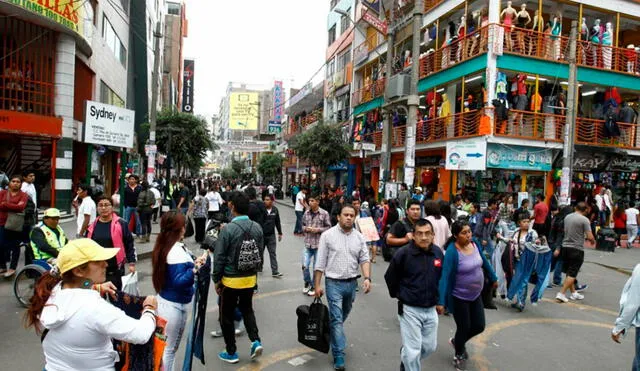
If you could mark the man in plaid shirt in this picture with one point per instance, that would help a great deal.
(314, 221)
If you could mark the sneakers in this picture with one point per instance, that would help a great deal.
(561, 298)
(534, 303)
(465, 355)
(256, 349)
(306, 288)
(518, 306)
(312, 292)
(229, 358)
(460, 363)
(218, 333)
(581, 288)
(338, 363)
(9, 273)
(277, 275)
(576, 296)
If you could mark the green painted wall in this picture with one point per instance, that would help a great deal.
(365, 107)
(453, 73)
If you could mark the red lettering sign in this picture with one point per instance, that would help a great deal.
(375, 22)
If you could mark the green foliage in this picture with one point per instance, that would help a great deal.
(322, 146)
(229, 173)
(270, 166)
(190, 138)
(237, 166)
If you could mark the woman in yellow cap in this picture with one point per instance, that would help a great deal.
(76, 324)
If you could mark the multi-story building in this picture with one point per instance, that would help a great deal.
(493, 76)
(175, 30)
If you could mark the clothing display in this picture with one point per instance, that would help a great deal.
(195, 340)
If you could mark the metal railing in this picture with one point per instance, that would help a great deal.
(430, 4)
(593, 132)
(470, 46)
(374, 137)
(531, 125)
(369, 92)
(457, 126)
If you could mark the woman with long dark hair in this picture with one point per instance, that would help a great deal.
(619, 221)
(12, 200)
(173, 276)
(76, 325)
(461, 285)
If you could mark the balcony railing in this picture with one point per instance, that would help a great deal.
(593, 132)
(403, 9)
(532, 125)
(470, 46)
(374, 137)
(430, 4)
(311, 118)
(460, 125)
(369, 92)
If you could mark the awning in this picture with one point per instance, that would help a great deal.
(29, 124)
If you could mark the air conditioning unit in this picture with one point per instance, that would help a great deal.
(398, 86)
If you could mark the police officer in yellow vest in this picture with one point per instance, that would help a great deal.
(47, 238)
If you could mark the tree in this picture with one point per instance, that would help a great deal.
(322, 146)
(229, 174)
(185, 137)
(270, 166)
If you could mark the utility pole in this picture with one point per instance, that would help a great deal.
(413, 100)
(385, 150)
(153, 114)
(569, 134)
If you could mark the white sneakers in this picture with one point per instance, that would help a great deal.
(562, 298)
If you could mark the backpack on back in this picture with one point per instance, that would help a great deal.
(248, 254)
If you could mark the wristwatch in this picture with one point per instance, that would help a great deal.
(367, 278)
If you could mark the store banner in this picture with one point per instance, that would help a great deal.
(278, 101)
(71, 14)
(243, 111)
(502, 156)
(467, 154)
(187, 86)
(108, 125)
(375, 22)
(274, 127)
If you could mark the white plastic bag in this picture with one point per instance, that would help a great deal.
(130, 284)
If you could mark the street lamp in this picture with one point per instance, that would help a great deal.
(344, 13)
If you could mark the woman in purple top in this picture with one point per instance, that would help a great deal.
(461, 285)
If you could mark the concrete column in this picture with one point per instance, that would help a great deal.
(63, 107)
(385, 151)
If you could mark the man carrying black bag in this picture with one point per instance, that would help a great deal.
(412, 278)
(313, 326)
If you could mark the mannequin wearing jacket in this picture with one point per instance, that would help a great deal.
(607, 41)
(445, 115)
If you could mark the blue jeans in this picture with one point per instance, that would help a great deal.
(419, 331)
(636, 360)
(176, 316)
(307, 255)
(298, 227)
(557, 272)
(127, 218)
(530, 262)
(340, 296)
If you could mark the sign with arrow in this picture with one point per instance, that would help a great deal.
(470, 154)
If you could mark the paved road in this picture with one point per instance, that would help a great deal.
(548, 337)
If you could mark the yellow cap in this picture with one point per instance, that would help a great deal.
(52, 213)
(81, 251)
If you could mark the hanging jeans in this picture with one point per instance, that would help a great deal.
(176, 316)
(419, 331)
(340, 295)
(530, 262)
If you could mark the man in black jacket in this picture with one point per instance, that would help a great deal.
(412, 278)
(271, 223)
(257, 211)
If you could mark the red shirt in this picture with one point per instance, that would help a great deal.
(620, 221)
(540, 212)
(15, 203)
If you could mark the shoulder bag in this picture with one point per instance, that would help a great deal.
(15, 221)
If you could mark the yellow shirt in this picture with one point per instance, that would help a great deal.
(240, 282)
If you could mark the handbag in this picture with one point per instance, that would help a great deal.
(190, 231)
(15, 221)
(313, 326)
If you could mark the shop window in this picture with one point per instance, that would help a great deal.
(26, 67)
(332, 35)
(113, 41)
(108, 96)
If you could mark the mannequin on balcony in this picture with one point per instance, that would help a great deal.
(594, 37)
(521, 103)
(523, 20)
(536, 27)
(472, 44)
(445, 118)
(407, 60)
(483, 21)
(630, 57)
(461, 33)
(584, 36)
(607, 42)
(556, 30)
(507, 16)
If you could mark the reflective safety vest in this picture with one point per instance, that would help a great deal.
(52, 240)
(169, 196)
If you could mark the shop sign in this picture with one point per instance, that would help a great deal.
(467, 154)
(623, 164)
(187, 86)
(108, 125)
(278, 101)
(341, 166)
(583, 161)
(69, 13)
(519, 157)
(375, 22)
(428, 161)
(274, 127)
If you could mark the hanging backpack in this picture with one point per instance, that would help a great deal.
(248, 254)
(611, 128)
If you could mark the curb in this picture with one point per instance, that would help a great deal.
(617, 269)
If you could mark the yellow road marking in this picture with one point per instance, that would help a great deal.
(480, 341)
(583, 306)
(274, 358)
(259, 296)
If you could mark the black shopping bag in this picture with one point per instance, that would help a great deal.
(189, 231)
(313, 326)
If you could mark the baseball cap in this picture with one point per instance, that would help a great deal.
(52, 213)
(418, 188)
(81, 251)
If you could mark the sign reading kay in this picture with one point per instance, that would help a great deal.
(470, 154)
(108, 125)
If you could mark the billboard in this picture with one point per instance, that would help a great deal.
(243, 111)
(278, 101)
(187, 86)
(108, 125)
(71, 14)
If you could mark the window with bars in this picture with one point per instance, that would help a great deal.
(26, 67)
(113, 41)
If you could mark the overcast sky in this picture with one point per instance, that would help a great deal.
(252, 41)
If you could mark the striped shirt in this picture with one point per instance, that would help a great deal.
(340, 253)
(319, 219)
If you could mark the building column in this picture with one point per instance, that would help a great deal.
(63, 108)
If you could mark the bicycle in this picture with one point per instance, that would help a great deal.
(26, 279)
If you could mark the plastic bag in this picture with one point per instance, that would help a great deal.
(130, 284)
